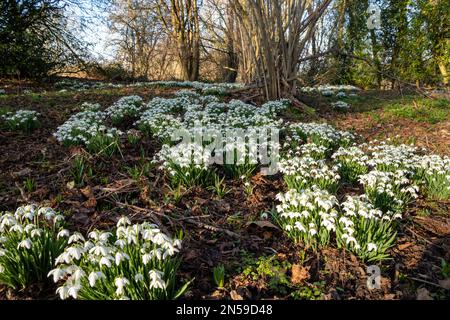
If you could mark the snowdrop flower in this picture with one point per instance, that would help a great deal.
(104, 236)
(25, 244)
(64, 257)
(120, 256)
(76, 237)
(63, 292)
(78, 274)
(73, 290)
(36, 233)
(75, 252)
(372, 247)
(156, 279)
(159, 238)
(120, 243)
(99, 250)
(139, 277)
(63, 234)
(93, 235)
(351, 240)
(120, 284)
(146, 258)
(17, 228)
(106, 261)
(58, 218)
(57, 274)
(123, 221)
(94, 276)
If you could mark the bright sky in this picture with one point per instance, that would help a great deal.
(97, 32)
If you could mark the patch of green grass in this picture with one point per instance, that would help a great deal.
(29, 184)
(4, 110)
(219, 276)
(421, 110)
(219, 187)
(80, 169)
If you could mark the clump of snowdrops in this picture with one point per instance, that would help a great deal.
(30, 240)
(389, 191)
(88, 128)
(188, 164)
(353, 162)
(136, 262)
(304, 172)
(364, 230)
(433, 172)
(125, 107)
(308, 216)
(21, 120)
(322, 134)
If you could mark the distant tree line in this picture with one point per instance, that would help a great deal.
(275, 45)
(35, 40)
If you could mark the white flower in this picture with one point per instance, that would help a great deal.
(120, 284)
(64, 257)
(146, 258)
(106, 261)
(120, 243)
(36, 233)
(104, 236)
(78, 274)
(124, 221)
(63, 292)
(351, 240)
(94, 276)
(99, 250)
(139, 277)
(156, 279)
(76, 237)
(120, 256)
(93, 235)
(57, 274)
(75, 252)
(63, 234)
(372, 247)
(73, 290)
(25, 244)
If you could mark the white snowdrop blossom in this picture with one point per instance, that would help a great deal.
(308, 216)
(364, 229)
(121, 283)
(94, 276)
(156, 280)
(123, 260)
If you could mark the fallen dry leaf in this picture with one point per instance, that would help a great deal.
(445, 283)
(87, 192)
(90, 203)
(235, 296)
(404, 246)
(263, 224)
(423, 294)
(299, 274)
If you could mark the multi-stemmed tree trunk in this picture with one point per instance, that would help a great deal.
(274, 35)
(181, 20)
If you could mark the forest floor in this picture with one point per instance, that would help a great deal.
(260, 262)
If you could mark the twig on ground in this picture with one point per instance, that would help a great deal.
(214, 229)
(428, 282)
